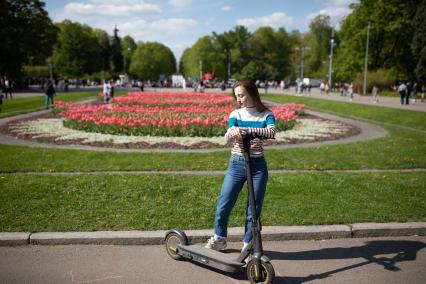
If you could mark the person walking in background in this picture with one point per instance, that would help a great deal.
(7, 87)
(1, 92)
(402, 90)
(414, 93)
(50, 93)
(105, 91)
(374, 92)
(423, 93)
(351, 91)
(111, 89)
(408, 93)
(327, 88)
(322, 87)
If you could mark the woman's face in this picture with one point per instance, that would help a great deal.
(243, 98)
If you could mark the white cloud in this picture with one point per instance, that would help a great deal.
(154, 29)
(110, 8)
(180, 3)
(336, 9)
(226, 8)
(275, 20)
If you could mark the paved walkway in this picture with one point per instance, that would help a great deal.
(391, 102)
(365, 260)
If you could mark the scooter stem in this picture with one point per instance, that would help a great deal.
(257, 238)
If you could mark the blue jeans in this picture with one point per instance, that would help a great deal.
(402, 97)
(231, 187)
(49, 99)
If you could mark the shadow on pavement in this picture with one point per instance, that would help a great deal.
(371, 252)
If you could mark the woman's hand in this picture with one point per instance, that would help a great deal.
(235, 133)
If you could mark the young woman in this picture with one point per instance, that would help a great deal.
(250, 116)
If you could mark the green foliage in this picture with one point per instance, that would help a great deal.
(390, 37)
(104, 49)
(27, 35)
(233, 45)
(418, 44)
(151, 59)
(211, 55)
(99, 76)
(266, 48)
(271, 51)
(382, 79)
(318, 42)
(129, 46)
(38, 71)
(250, 72)
(77, 52)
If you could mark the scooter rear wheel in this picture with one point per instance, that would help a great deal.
(172, 241)
(267, 273)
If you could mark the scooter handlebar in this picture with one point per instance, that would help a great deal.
(247, 137)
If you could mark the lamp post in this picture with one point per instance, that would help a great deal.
(201, 69)
(50, 68)
(364, 89)
(301, 63)
(229, 64)
(330, 67)
(125, 63)
(302, 58)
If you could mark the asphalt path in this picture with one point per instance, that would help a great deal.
(366, 260)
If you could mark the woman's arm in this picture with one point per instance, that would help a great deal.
(268, 132)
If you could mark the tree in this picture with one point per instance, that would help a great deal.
(418, 45)
(152, 59)
(77, 52)
(318, 41)
(271, 51)
(102, 38)
(116, 53)
(27, 35)
(249, 72)
(129, 46)
(233, 46)
(391, 33)
(211, 55)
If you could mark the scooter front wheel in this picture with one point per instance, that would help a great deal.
(266, 275)
(172, 241)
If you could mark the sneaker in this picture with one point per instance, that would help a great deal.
(216, 243)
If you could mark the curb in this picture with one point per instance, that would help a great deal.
(269, 233)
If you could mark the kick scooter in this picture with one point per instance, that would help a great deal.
(259, 267)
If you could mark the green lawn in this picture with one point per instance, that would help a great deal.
(30, 104)
(151, 202)
(81, 202)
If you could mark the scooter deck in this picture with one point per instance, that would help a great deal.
(210, 257)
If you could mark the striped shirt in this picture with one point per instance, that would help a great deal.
(249, 119)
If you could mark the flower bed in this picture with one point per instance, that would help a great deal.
(164, 114)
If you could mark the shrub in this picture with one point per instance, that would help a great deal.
(381, 78)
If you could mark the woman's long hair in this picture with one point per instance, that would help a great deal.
(252, 90)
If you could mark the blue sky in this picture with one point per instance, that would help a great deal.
(179, 23)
